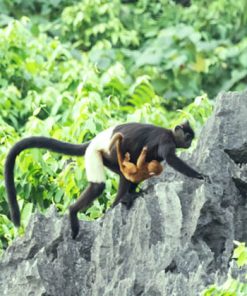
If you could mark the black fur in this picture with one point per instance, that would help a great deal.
(138, 135)
(182, 167)
(161, 144)
(159, 141)
(33, 142)
(93, 190)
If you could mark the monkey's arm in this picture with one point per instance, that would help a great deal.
(115, 138)
(129, 168)
(119, 155)
(142, 158)
(182, 167)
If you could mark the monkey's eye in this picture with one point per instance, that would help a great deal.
(188, 137)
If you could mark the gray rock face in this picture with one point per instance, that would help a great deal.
(174, 240)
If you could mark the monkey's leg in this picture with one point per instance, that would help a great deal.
(142, 158)
(128, 199)
(86, 198)
(133, 187)
(96, 178)
(123, 190)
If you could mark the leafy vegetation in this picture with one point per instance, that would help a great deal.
(70, 69)
(233, 286)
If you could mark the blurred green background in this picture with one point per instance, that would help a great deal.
(69, 69)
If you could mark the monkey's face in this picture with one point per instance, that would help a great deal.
(187, 140)
(183, 135)
(154, 168)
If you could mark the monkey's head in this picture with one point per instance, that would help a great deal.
(154, 168)
(183, 135)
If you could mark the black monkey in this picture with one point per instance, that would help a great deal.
(160, 142)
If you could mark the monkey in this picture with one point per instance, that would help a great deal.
(161, 145)
(139, 172)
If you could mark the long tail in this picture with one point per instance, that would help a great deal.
(33, 142)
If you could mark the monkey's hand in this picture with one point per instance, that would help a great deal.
(127, 156)
(206, 178)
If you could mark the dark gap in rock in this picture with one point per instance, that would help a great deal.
(85, 252)
(225, 204)
(33, 251)
(213, 235)
(54, 253)
(138, 289)
(238, 155)
(52, 249)
(172, 267)
(242, 187)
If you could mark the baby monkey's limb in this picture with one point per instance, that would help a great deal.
(141, 161)
(140, 171)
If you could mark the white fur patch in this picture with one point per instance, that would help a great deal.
(93, 157)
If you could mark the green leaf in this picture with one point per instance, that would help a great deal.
(26, 213)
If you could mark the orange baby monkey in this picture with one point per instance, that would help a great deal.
(140, 171)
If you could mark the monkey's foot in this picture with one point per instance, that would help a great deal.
(207, 179)
(74, 223)
(128, 203)
(128, 200)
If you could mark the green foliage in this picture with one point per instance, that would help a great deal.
(186, 51)
(233, 287)
(70, 69)
(18, 8)
(240, 253)
(76, 24)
